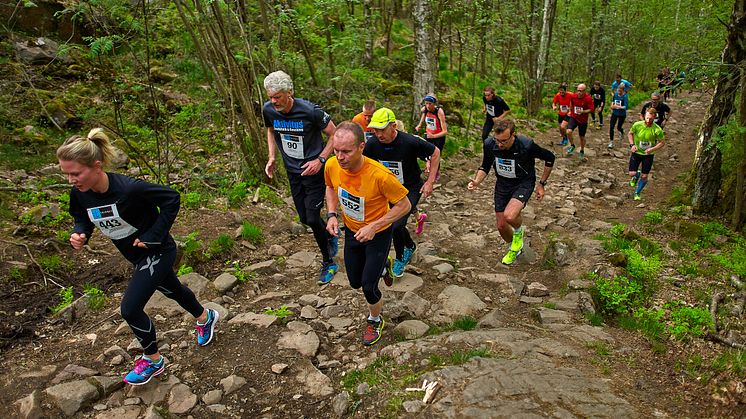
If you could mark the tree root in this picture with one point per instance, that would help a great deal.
(47, 276)
(716, 299)
(719, 339)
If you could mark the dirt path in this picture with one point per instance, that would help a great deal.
(531, 360)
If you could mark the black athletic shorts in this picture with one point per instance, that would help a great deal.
(437, 142)
(504, 193)
(636, 159)
(582, 128)
(562, 118)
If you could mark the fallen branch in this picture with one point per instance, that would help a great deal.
(47, 276)
(716, 299)
(97, 252)
(740, 298)
(719, 339)
(737, 282)
(102, 321)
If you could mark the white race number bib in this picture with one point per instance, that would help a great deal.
(353, 206)
(578, 110)
(107, 219)
(505, 167)
(644, 145)
(430, 123)
(396, 169)
(564, 108)
(618, 103)
(490, 110)
(292, 145)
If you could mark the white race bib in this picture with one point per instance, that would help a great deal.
(107, 219)
(505, 167)
(396, 169)
(644, 145)
(430, 123)
(618, 102)
(564, 108)
(578, 109)
(292, 145)
(490, 110)
(597, 96)
(353, 206)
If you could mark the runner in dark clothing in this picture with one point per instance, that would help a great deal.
(663, 111)
(137, 217)
(295, 126)
(513, 157)
(599, 100)
(494, 109)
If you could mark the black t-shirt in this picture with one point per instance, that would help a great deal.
(495, 106)
(400, 156)
(516, 164)
(130, 209)
(298, 132)
(662, 109)
(598, 95)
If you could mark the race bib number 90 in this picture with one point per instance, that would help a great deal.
(353, 206)
(564, 108)
(505, 167)
(396, 169)
(107, 219)
(292, 145)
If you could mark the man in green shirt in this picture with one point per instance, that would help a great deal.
(645, 138)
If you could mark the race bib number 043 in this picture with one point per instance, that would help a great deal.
(107, 219)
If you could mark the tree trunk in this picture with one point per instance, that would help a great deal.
(707, 157)
(536, 80)
(737, 219)
(424, 62)
(367, 17)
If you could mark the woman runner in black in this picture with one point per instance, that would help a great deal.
(137, 217)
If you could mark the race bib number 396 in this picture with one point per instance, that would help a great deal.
(353, 206)
(107, 219)
(396, 169)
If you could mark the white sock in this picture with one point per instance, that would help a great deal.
(374, 319)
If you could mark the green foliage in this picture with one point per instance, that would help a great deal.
(240, 274)
(96, 297)
(220, 245)
(687, 321)
(51, 263)
(465, 323)
(732, 258)
(601, 349)
(184, 269)
(66, 298)
(16, 274)
(192, 200)
(192, 245)
(643, 269)
(252, 233)
(280, 313)
(653, 217)
(101, 45)
(617, 295)
(237, 194)
(731, 360)
(268, 194)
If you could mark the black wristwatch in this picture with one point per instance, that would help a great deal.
(330, 215)
(322, 159)
(543, 182)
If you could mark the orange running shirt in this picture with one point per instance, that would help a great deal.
(365, 195)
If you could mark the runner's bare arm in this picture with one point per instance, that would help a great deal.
(269, 169)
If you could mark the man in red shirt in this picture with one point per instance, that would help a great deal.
(561, 104)
(581, 105)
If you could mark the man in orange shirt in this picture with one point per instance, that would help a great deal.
(363, 118)
(365, 188)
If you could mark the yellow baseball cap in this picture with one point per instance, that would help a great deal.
(382, 118)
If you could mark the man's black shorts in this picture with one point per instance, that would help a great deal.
(504, 192)
(572, 124)
(636, 159)
(562, 118)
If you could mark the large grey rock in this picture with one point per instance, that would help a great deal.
(43, 372)
(232, 383)
(411, 329)
(550, 316)
(181, 399)
(155, 392)
(301, 337)
(474, 240)
(107, 384)
(406, 283)
(493, 319)
(212, 397)
(266, 267)
(29, 407)
(73, 395)
(40, 51)
(301, 260)
(341, 403)
(73, 371)
(443, 268)
(225, 282)
(537, 289)
(460, 301)
(256, 319)
(196, 282)
(314, 381)
(508, 284)
(415, 304)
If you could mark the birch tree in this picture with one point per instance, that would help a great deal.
(424, 56)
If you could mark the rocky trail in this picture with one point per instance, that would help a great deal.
(524, 359)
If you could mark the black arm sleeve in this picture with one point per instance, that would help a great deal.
(168, 202)
(542, 153)
(83, 224)
(488, 158)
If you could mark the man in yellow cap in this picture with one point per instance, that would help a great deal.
(366, 191)
(399, 152)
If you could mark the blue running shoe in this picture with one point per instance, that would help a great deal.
(399, 268)
(406, 256)
(327, 272)
(570, 149)
(205, 332)
(334, 245)
(144, 370)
